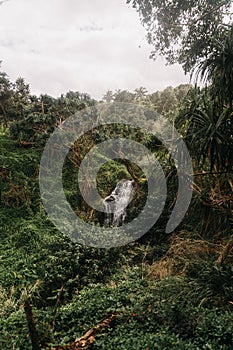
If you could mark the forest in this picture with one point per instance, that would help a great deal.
(163, 290)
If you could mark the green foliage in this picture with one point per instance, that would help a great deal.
(216, 283)
(40, 121)
(184, 31)
(73, 287)
(5, 95)
(218, 70)
(207, 130)
(34, 129)
(78, 286)
(164, 102)
(155, 314)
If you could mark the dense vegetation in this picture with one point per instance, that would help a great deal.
(164, 291)
(167, 291)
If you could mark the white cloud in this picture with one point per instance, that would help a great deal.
(90, 46)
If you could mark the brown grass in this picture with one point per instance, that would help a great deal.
(182, 251)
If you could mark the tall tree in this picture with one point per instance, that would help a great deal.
(108, 96)
(140, 93)
(184, 31)
(168, 100)
(218, 70)
(123, 96)
(5, 95)
(21, 96)
(207, 128)
(181, 91)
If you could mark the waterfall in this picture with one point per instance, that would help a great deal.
(116, 203)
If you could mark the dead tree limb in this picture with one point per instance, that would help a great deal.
(89, 337)
(31, 326)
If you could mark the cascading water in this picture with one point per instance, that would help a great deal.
(116, 203)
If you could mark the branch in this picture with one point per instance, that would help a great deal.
(31, 326)
(89, 337)
(60, 291)
(214, 173)
(216, 8)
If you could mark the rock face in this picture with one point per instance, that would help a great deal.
(116, 203)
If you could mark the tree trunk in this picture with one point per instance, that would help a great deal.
(31, 326)
(4, 115)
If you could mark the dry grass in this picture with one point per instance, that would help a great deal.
(7, 302)
(182, 251)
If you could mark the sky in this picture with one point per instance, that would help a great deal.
(88, 46)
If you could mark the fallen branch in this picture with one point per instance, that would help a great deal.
(89, 337)
(27, 143)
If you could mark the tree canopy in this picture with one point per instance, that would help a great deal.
(184, 31)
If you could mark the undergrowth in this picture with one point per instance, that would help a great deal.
(168, 291)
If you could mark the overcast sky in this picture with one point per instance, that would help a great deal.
(81, 45)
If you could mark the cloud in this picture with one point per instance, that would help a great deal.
(3, 1)
(90, 46)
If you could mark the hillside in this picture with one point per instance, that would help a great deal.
(162, 292)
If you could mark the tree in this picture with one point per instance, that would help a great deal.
(70, 103)
(21, 88)
(21, 97)
(181, 91)
(168, 100)
(208, 118)
(218, 70)
(108, 96)
(140, 93)
(123, 96)
(184, 31)
(207, 128)
(5, 95)
(47, 103)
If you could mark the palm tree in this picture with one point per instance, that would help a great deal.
(218, 70)
(208, 131)
(108, 96)
(208, 116)
(140, 93)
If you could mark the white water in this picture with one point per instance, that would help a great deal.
(116, 203)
